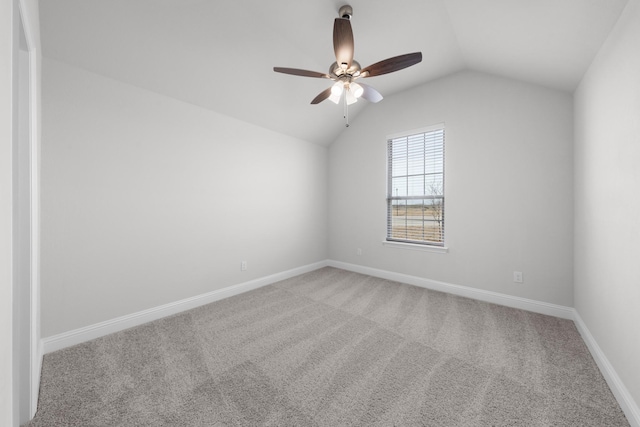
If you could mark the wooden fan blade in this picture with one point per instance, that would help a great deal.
(370, 94)
(322, 96)
(392, 64)
(343, 42)
(303, 73)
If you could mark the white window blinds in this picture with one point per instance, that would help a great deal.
(415, 194)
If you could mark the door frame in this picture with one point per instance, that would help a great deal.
(28, 388)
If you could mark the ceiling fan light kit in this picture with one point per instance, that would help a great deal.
(345, 71)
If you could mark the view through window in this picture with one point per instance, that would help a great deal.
(415, 194)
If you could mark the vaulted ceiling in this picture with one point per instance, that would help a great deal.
(220, 54)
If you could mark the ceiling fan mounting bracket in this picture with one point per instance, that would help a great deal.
(345, 12)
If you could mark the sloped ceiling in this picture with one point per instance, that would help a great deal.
(220, 54)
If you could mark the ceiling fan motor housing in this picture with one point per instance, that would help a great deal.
(339, 73)
(345, 12)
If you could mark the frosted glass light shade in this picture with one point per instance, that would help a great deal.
(337, 88)
(356, 89)
(350, 98)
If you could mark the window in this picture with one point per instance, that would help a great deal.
(415, 193)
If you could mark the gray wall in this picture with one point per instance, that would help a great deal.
(147, 200)
(607, 198)
(509, 202)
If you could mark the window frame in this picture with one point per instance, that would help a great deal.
(427, 245)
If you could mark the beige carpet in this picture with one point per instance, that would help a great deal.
(332, 348)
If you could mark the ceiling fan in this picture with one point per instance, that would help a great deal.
(345, 71)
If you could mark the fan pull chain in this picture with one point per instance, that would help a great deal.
(346, 111)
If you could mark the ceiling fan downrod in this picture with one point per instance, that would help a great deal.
(346, 111)
(346, 12)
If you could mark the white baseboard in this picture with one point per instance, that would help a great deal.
(78, 336)
(618, 388)
(464, 291)
(87, 333)
(628, 405)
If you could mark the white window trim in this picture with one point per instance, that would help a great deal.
(416, 246)
(437, 126)
(424, 247)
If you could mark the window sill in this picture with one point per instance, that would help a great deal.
(416, 247)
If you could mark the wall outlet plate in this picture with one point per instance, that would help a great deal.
(517, 276)
(243, 266)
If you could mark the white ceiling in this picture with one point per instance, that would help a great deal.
(220, 54)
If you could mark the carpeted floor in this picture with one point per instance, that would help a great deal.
(332, 348)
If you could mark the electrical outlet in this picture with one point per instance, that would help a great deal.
(243, 266)
(359, 251)
(517, 276)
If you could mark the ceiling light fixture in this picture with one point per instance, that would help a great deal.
(337, 89)
(356, 90)
(346, 70)
(350, 97)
